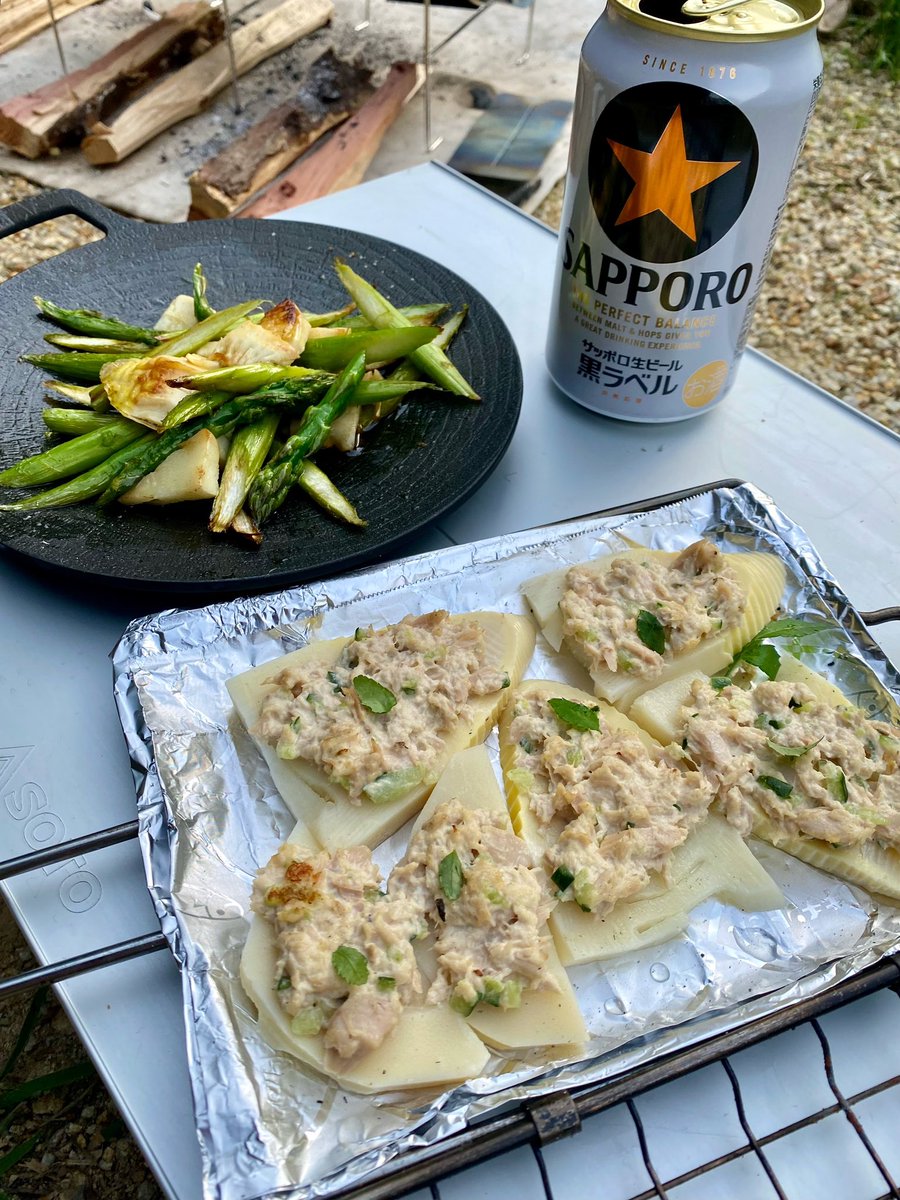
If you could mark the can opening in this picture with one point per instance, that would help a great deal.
(669, 10)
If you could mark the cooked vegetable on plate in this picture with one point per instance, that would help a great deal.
(270, 388)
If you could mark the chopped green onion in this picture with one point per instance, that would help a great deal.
(563, 878)
(779, 786)
(308, 1022)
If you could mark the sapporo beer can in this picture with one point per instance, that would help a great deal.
(689, 120)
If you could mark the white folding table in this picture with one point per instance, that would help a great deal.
(64, 770)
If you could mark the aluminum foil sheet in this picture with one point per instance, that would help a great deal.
(209, 816)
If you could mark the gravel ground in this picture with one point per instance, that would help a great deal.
(830, 310)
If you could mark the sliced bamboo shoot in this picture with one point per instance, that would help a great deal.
(190, 473)
(430, 1047)
(761, 577)
(178, 315)
(869, 865)
(713, 861)
(324, 806)
(543, 1018)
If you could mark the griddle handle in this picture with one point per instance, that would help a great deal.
(34, 210)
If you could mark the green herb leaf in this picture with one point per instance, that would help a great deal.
(350, 965)
(765, 657)
(450, 874)
(506, 681)
(283, 983)
(579, 716)
(790, 751)
(651, 631)
(719, 681)
(373, 695)
(779, 786)
(792, 627)
(335, 682)
(386, 983)
(562, 877)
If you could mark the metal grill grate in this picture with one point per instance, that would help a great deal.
(660, 1188)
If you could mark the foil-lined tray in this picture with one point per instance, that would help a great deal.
(209, 816)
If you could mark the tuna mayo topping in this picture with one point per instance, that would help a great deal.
(611, 809)
(424, 671)
(692, 596)
(816, 770)
(346, 966)
(487, 902)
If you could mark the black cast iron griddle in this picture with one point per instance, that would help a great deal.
(420, 463)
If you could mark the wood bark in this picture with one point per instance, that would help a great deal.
(62, 110)
(342, 161)
(332, 90)
(21, 19)
(186, 92)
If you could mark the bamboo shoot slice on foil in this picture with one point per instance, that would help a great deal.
(543, 1017)
(392, 797)
(429, 1047)
(759, 577)
(821, 781)
(711, 861)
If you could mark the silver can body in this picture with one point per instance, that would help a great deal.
(681, 157)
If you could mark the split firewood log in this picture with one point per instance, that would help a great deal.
(343, 160)
(61, 111)
(331, 91)
(186, 92)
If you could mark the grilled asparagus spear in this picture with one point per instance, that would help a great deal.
(275, 480)
(379, 311)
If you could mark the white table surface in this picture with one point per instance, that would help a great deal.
(64, 770)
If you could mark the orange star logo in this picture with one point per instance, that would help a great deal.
(666, 179)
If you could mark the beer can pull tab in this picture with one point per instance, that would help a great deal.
(708, 8)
